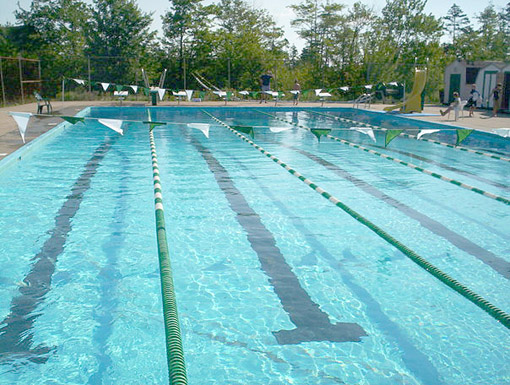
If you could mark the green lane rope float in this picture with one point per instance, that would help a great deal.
(407, 164)
(415, 137)
(175, 355)
(479, 301)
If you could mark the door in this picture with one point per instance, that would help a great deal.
(454, 86)
(489, 82)
(505, 103)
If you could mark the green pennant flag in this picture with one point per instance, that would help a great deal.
(330, 90)
(119, 87)
(153, 124)
(229, 95)
(72, 119)
(245, 130)
(318, 132)
(146, 91)
(462, 134)
(254, 94)
(280, 94)
(390, 135)
(305, 92)
(201, 94)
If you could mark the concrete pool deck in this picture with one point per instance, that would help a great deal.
(10, 139)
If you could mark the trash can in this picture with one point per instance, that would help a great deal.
(154, 97)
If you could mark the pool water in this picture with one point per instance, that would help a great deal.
(274, 283)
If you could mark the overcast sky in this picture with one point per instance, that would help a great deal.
(279, 10)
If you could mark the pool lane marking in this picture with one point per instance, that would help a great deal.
(312, 324)
(407, 164)
(415, 137)
(414, 359)
(463, 290)
(446, 167)
(175, 355)
(498, 264)
(17, 333)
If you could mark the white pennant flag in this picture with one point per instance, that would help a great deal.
(279, 129)
(425, 132)
(114, 124)
(189, 93)
(366, 131)
(79, 81)
(135, 88)
(21, 119)
(161, 93)
(202, 127)
(105, 86)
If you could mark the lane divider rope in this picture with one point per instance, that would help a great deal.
(175, 354)
(463, 290)
(415, 137)
(407, 164)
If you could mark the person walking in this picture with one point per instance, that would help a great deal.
(473, 99)
(496, 93)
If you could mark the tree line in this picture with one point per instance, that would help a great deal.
(230, 43)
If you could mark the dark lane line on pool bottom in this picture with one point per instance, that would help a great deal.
(16, 334)
(415, 360)
(498, 264)
(312, 324)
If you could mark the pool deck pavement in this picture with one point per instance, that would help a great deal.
(10, 139)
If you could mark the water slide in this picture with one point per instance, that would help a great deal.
(413, 101)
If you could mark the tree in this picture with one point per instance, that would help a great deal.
(118, 29)
(456, 21)
(186, 33)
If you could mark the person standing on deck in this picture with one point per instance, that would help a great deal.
(265, 85)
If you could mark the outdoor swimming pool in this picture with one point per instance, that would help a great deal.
(274, 283)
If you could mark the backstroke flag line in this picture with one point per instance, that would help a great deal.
(21, 119)
(114, 124)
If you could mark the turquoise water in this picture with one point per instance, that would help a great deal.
(264, 267)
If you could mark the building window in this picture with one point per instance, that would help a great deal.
(471, 74)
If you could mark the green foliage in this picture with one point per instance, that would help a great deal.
(230, 43)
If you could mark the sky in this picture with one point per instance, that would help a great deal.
(279, 10)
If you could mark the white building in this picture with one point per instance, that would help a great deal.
(460, 75)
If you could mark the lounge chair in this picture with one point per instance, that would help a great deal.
(42, 102)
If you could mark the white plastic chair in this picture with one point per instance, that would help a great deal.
(458, 109)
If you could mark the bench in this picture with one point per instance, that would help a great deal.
(42, 102)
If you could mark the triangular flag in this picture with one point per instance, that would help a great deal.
(345, 89)
(245, 130)
(318, 132)
(72, 119)
(135, 89)
(189, 93)
(146, 91)
(305, 93)
(119, 87)
(153, 124)
(105, 86)
(79, 81)
(21, 119)
(390, 135)
(161, 93)
(202, 127)
(425, 132)
(366, 131)
(279, 129)
(114, 124)
(462, 134)
(318, 91)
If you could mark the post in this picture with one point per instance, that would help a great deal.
(88, 68)
(228, 72)
(63, 88)
(21, 80)
(2, 81)
(184, 70)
